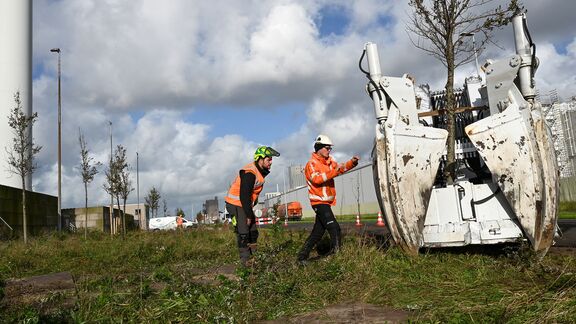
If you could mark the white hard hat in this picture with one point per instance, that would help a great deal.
(323, 139)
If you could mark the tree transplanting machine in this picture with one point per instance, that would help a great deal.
(506, 183)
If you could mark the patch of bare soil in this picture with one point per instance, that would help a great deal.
(211, 276)
(47, 293)
(565, 251)
(349, 313)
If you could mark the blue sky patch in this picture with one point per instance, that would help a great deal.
(332, 20)
(261, 125)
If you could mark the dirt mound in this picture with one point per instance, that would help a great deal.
(211, 277)
(47, 293)
(349, 313)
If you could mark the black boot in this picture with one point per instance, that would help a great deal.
(335, 239)
(244, 256)
(305, 251)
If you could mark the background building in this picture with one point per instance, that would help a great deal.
(296, 176)
(211, 211)
(141, 213)
(561, 118)
(41, 210)
(98, 218)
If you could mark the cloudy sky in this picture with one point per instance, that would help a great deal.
(195, 86)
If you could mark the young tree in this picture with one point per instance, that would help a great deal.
(125, 184)
(153, 200)
(21, 154)
(179, 211)
(444, 25)
(165, 207)
(88, 170)
(115, 179)
(200, 218)
(111, 186)
(274, 211)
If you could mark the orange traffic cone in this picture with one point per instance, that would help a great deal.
(358, 220)
(380, 222)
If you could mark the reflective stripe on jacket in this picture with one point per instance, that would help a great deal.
(233, 196)
(320, 174)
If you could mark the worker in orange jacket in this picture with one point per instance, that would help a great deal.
(243, 195)
(320, 172)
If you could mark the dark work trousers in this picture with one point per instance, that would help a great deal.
(325, 221)
(246, 235)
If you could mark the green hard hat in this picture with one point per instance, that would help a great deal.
(265, 151)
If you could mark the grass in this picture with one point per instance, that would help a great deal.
(148, 277)
(567, 215)
(567, 210)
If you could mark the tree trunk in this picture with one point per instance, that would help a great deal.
(24, 222)
(121, 217)
(124, 215)
(449, 170)
(86, 211)
(112, 219)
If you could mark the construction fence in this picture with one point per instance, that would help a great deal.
(568, 189)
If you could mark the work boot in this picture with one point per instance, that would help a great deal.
(253, 248)
(244, 255)
(335, 247)
(303, 254)
(335, 240)
(250, 263)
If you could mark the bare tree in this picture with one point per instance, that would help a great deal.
(111, 187)
(113, 179)
(165, 207)
(21, 154)
(443, 25)
(153, 199)
(125, 185)
(88, 169)
(118, 183)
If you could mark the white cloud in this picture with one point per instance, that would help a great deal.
(148, 65)
(557, 71)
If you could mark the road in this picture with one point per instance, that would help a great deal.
(567, 229)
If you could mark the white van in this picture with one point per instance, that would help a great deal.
(168, 223)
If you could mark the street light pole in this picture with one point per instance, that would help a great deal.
(138, 194)
(111, 195)
(57, 50)
(475, 53)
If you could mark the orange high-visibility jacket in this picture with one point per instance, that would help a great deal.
(320, 174)
(233, 196)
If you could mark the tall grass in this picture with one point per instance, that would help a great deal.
(150, 277)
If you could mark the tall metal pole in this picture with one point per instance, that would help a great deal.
(15, 75)
(475, 56)
(285, 200)
(57, 50)
(138, 193)
(111, 196)
(475, 52)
